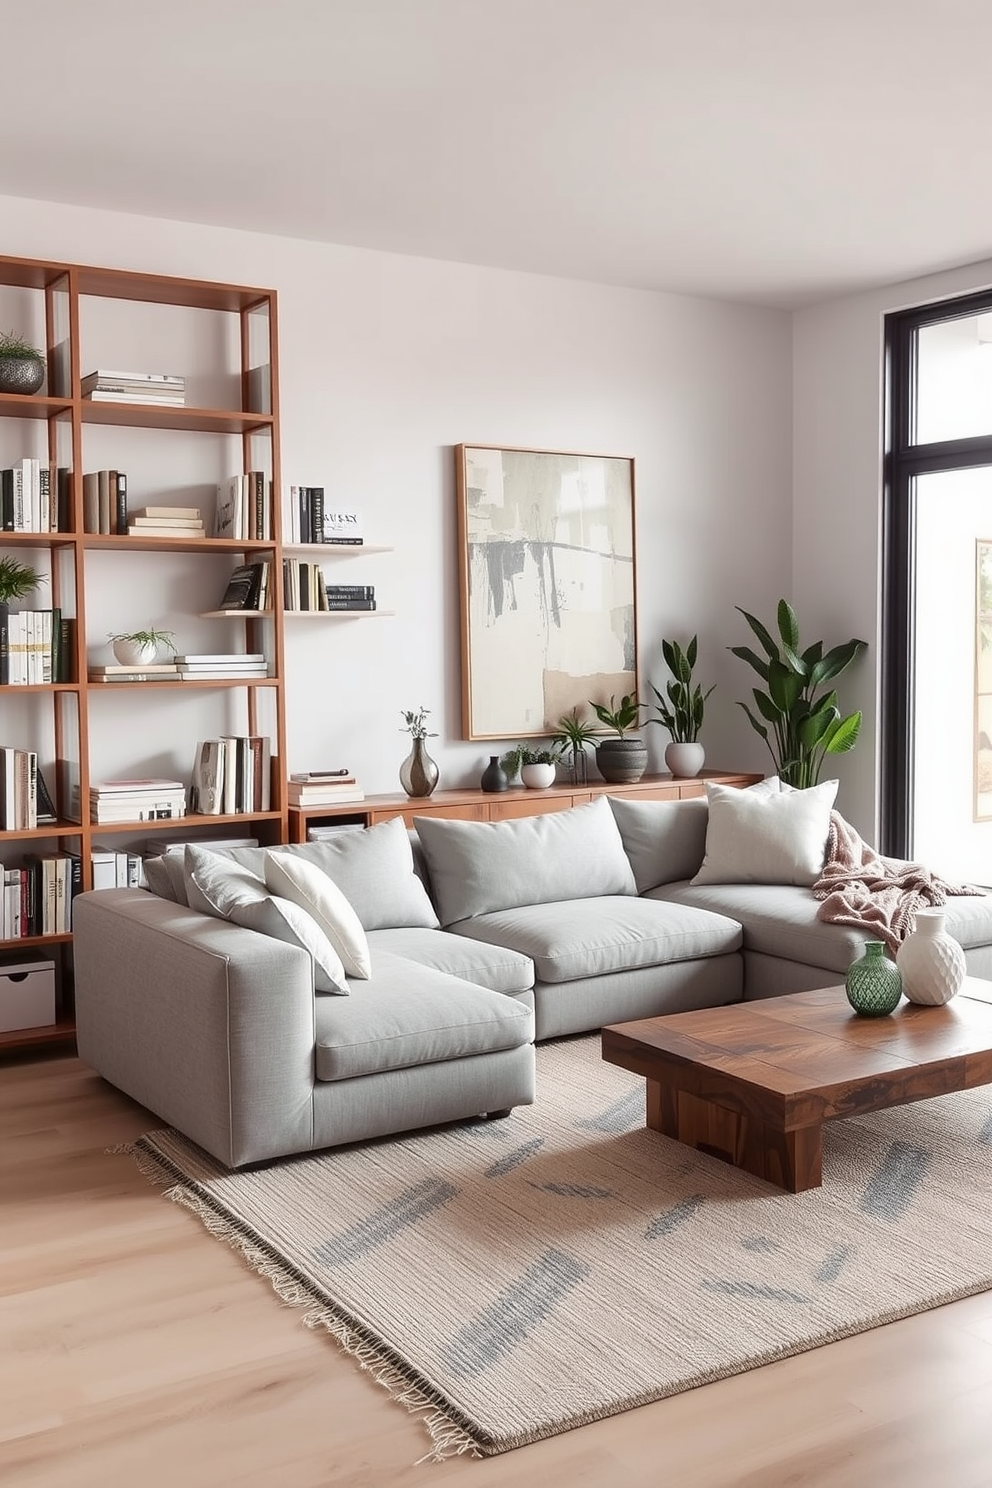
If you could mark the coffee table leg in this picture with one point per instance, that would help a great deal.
(791, 1159)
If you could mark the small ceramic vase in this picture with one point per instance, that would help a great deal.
(135, 653)
(494, 777)
(931, 961)
(684, 760)
(418, 772)
(537, 777)
(873, 983)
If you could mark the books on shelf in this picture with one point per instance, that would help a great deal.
(349, 604)
(157, 847)
(18, 789)
(35, 647)
(134, 387)
(335, 777)
(247, 588)
(232, 775)
(137, 799)
(36, 897)
(159, 671)
(244, 507)
(326, 830)
(323, 792)
(117, 868)
(158, 522)
(34, 497)
(308, 518)
(105, 502)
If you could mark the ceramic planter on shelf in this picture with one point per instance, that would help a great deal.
(135, 653)
(21, 374)
(537, 777)
(684, 759)
(622, 761)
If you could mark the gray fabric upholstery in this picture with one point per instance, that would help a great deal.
(595, 937)
(479, 867)
(492, 966)
(159, 880)
(576, 1007)
(413, 1015)
(664, 840)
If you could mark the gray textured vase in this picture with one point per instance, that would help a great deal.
(418, 772)
(622, 761)
(21, 374)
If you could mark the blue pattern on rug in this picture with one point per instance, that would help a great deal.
(759, 1242)
(513, 1159)
(752, 1289)
(891, 1189)
(623, 1114)
(674, 1218)
(519, 1310)
(834, 1263)
(408, 1208)
(574, 1191)
(985, 1135)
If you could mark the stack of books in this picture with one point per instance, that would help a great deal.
(309, 519)
(166, 521)
(232, 775)
(34, 497)
(149, 799)
(156, 671)
(35, 647)
(24, 798)
(160, 388)
(117, 868)
(247, 588)
(244, 507)
(303, 585)
(157, 847)
(105, 502)
(323, 788)
(349, 597)
(222, 666)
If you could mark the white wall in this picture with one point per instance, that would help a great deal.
(837, 395)
(387, 362)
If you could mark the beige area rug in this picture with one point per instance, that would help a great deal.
(513, 1279)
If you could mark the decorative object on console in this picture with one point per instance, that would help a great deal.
(681, 710)
(931, 962)
(140, 647)
(806, 726)
(572, 735)
(538, 767)
(621, 760)
(22, 366)
(546, 582)
(494, 777)
(873, 983)
(418, 773)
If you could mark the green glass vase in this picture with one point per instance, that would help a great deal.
(873, 983)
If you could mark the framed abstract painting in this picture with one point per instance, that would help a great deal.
(547, 585)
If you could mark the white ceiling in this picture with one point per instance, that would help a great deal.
(775, 151)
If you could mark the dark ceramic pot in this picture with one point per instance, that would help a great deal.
(21, 374)
(622, 761)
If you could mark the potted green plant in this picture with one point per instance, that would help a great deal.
(22, 366)
(800, 724)
(17, 579)
(621, 760)
(140, 647)
(681, 708)
(571, 737)
(538, 767)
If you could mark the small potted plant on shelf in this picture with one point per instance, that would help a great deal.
(680, 710)
(17, 579)
(22, 366)
(624, 759)
(538, 767)
(140, 647)
(572, 736)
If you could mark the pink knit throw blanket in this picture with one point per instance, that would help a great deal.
(878, 895)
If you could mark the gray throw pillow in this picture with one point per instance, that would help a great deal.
(480, 867)
(664, 840)
(767, 838)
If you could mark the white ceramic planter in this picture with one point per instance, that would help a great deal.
(684, 760)
(133, 653)
(931, 962)
(537, 777)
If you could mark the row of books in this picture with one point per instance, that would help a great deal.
(244, 507)
(323, 788)
(248, 587)
(226, 666)
(232, 774)
(134, 800)
(37, 897)
(35, 647)
(105, 510)
(308, 518)
(304, 588)
(25, 801)
(107, 386)
(34, 497)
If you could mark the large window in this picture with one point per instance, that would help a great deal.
(936, 761)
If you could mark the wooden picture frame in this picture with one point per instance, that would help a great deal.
(547, 586)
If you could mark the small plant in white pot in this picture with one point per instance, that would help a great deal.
(538, 767)
(140, 647)
(680, 710)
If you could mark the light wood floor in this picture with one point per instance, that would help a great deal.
(136, 1350)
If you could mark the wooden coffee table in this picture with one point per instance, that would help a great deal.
(753, 1083)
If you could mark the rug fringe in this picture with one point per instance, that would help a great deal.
(448, 1437)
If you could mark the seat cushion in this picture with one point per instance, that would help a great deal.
(592, 937)
(492, 966)
(410, 1015)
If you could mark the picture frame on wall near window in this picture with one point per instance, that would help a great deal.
(547, 584)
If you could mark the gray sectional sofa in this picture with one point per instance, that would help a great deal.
(268, 1002)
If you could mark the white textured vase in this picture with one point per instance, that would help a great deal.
(135, 653)
(930, 961)
(537, 777)
(685, 760)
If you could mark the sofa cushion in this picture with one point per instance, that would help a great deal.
(593, 937)
(492, 966)
(779, 920)
(766, 837)
(411, 1015)
(480, 867)
(664, 840)
(308, 887)
(372, 867)
(216, 886)
(160, 882)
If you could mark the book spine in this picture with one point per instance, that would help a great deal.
(317, 514)
(7, 500)
(120, 504)
(44, 497)
(4, 643)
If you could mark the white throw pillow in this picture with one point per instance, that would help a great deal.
(308, 887)
(768, 838)
(218, 887)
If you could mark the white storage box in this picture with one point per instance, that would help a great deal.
(27, 994)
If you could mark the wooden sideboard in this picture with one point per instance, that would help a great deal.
(477, 805)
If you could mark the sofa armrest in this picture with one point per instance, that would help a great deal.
(209, 1025)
